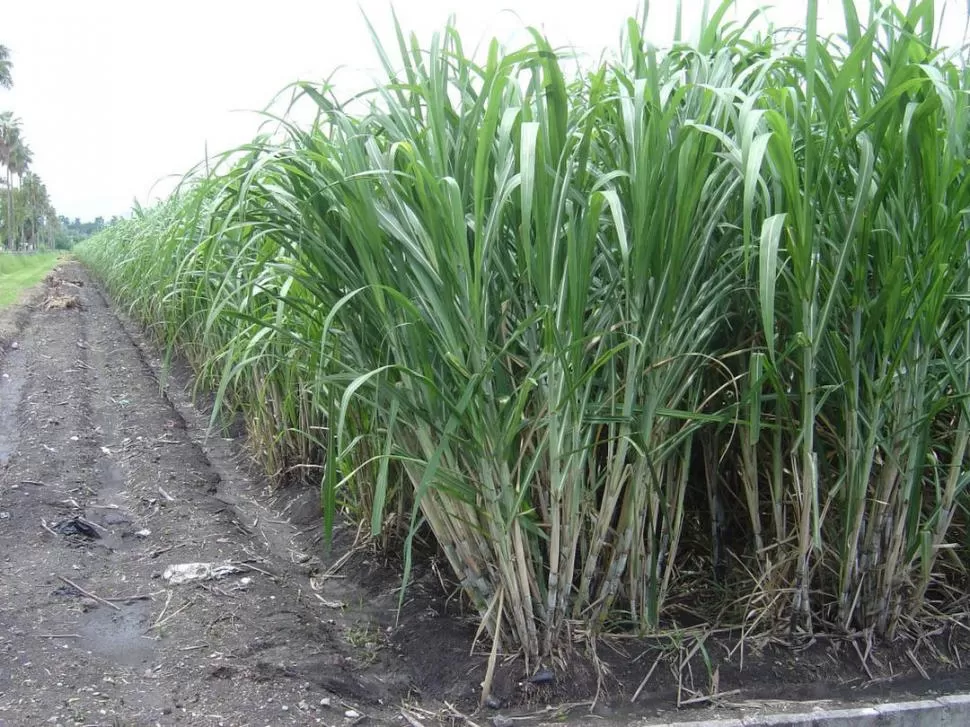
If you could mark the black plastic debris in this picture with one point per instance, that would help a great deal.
(76, 526)
(543, 676)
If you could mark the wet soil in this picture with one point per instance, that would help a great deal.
(108, 478)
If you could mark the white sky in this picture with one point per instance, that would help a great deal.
(117, 95)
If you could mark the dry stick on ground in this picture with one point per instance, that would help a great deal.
(646, 678)
(915, 662)
(448, 715)
(78, 588)
(862, 659)
(85, 521)
(455, 713)
(194, 648)
(168, 600)
(136, 597)
(160, 551)
(351, 708)
(176, 612)
(709, 697)
(699, 641)
(250, 566)
(411, 719)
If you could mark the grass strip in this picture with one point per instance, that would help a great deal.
(20, 272)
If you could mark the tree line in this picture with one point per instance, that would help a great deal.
(28, 220)
(69, 232)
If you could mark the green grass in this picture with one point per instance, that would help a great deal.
(19, 272)
(682, 338)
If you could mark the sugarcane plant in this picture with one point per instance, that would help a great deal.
(592, 327)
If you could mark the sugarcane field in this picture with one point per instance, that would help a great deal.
(545, 373)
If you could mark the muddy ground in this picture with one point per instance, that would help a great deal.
(107, 480)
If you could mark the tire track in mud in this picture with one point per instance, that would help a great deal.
(87, 433)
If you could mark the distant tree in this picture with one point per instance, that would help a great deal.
(11, 155)
(68, 233)
(20, 159)
(6, 68)
(36, 217)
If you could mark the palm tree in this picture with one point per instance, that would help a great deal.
(48, 213)
(6, 68)
(36, 213)
(20, 159)
(10, 142)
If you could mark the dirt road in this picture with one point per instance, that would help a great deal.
(104, 485)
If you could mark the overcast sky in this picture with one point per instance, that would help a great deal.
(118, 95)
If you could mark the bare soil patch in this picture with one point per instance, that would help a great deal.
(102, 488)
(108, 480)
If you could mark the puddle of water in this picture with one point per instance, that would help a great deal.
(120, 635)
(11, 389)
